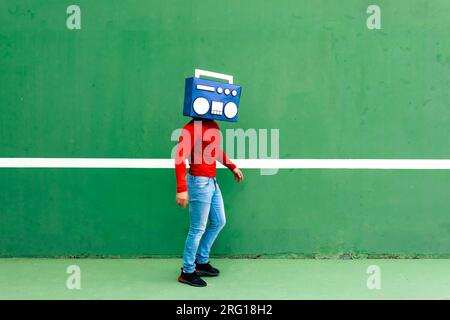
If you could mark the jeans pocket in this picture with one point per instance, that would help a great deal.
(198, 189)
(201, 182)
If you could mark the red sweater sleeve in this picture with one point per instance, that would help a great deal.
(184, 149)
(223, 159)
(221, 156)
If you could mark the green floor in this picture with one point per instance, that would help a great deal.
(240, 279)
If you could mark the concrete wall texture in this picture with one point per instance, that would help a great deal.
(111, 85)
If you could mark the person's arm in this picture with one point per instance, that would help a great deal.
(223, 159)
(184, 148)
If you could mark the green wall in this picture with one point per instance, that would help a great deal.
(334, 88)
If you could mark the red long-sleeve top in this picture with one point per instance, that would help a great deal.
(199, 143)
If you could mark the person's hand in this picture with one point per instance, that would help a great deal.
(238, 175)
(182, 199)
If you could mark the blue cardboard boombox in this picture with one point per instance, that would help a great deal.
(209, 99)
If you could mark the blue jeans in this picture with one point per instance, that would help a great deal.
(205, 200)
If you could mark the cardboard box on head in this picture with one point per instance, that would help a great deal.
(208, 99)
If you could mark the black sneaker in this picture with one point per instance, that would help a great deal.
(205, 269)
(191, 279)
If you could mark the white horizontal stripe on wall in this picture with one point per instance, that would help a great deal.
(418, 164)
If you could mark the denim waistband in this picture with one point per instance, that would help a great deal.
(190, 176)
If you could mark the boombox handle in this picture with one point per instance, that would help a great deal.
(221, 76)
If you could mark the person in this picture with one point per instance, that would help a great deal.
(200, 143)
